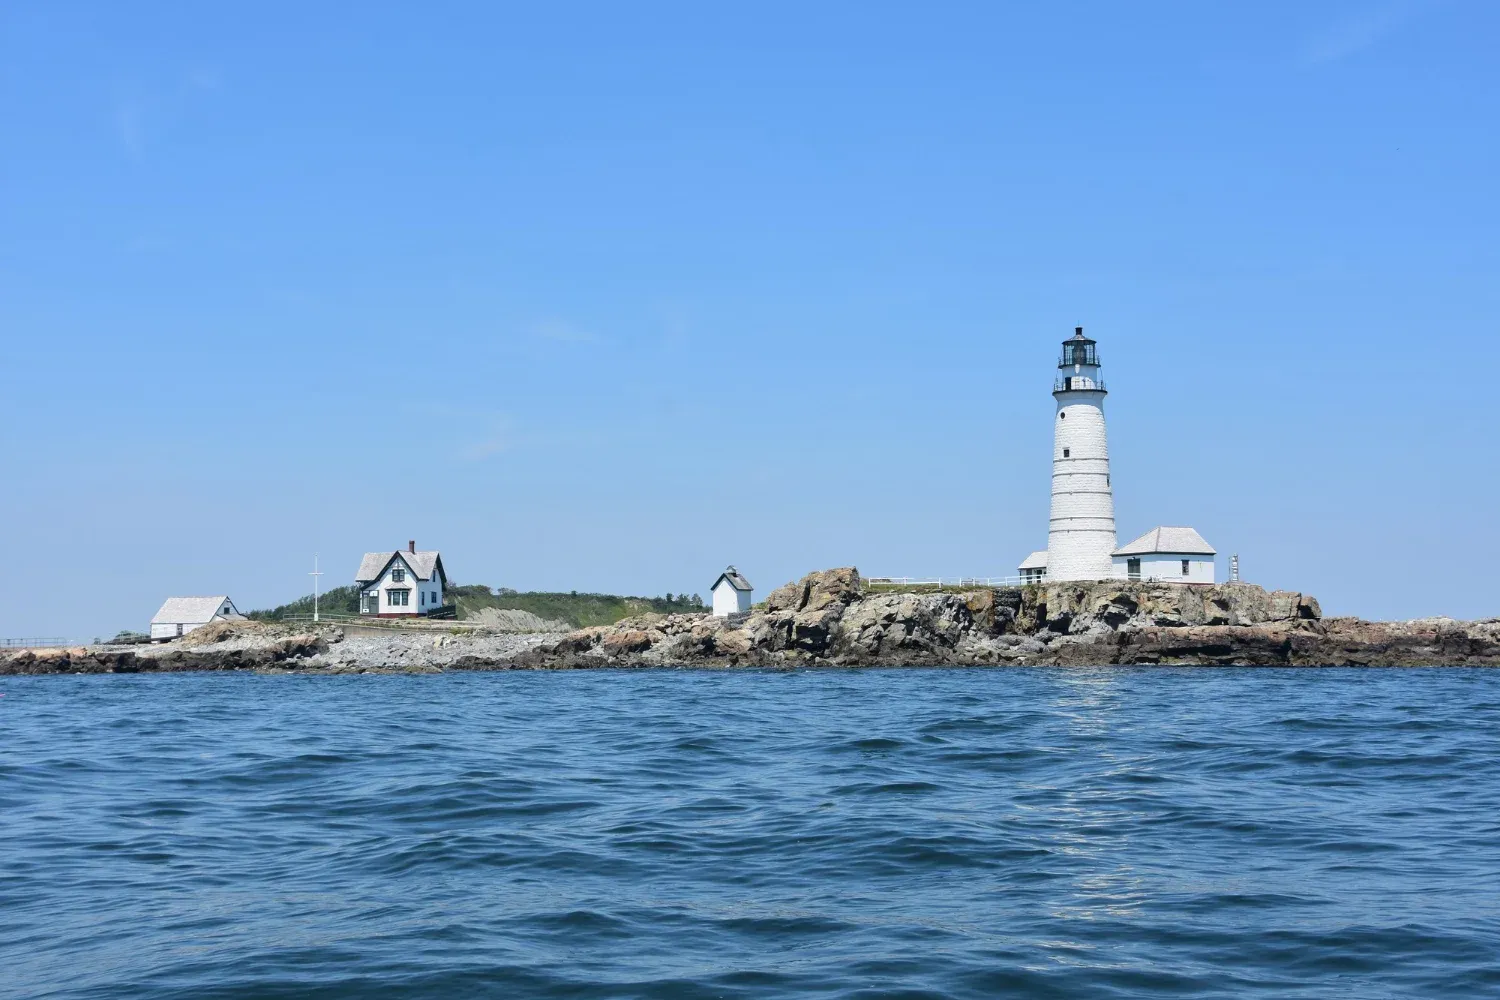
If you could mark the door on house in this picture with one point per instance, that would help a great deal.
(369, 603)
(1133, 568)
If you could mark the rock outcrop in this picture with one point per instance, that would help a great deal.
(113, 660)
(831, 618)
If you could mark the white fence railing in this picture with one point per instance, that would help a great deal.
(412, 623)
(38, 642)
(960, 582)
(956, 582)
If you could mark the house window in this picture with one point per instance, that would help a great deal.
(397, 598)
(422, 597)
(1184, 567)
(398, 575)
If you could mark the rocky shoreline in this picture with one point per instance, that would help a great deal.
(832, 618)
(252, 646)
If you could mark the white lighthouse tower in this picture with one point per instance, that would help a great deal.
(1081, 534)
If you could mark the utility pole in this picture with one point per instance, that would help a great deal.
(315, 574)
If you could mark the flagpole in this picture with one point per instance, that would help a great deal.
(315, 574)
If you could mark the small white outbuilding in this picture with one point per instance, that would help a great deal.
(1034, 567)
(731, 593)
(1166, 555)
(180, 615)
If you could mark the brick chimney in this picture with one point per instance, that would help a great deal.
(411, 546)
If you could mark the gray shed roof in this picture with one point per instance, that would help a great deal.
(735, 580)
(1174, 541)
(1037, 560)
(192, 610)
(422, 564)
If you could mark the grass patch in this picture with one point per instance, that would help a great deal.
(577, 609)
(581, 610)
(338, 601)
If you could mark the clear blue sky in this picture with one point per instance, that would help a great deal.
(603, 297)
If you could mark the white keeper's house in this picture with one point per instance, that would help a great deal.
(731, 593)
(401, 583)
(1081, 543)
(180, 615)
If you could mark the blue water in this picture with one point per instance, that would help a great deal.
(881, 833)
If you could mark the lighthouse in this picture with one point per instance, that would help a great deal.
(1081, 533)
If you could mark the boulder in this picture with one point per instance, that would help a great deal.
(732, 643)
(629, 641)
(817, 591)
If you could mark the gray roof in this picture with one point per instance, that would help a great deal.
(191, 610)
(735, 580)
(1175, 541)
(1037, 560)
(373, 564)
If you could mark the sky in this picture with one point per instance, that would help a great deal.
(604, 297)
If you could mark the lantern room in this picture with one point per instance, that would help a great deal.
(1079, 350)
(1079, 365)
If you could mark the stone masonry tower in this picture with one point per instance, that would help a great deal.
(1081, 534)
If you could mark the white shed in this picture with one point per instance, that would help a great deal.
(731, 593)
(1166, 555)
(1034, 567)
(180, 615)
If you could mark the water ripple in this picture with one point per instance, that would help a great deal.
(935, 833)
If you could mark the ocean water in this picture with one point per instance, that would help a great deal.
(841, 833)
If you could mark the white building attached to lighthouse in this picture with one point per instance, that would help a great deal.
(1034, 567)
(1166, 555)
(1081, 532)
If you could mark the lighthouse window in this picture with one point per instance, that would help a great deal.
(1062, 416)
(1066, 452)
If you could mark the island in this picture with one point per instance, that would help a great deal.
(834, 618)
